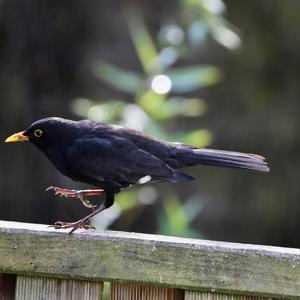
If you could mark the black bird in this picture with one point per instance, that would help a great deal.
(113, 157)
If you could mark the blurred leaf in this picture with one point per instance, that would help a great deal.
(178, 218)
(191, 107)
(172, 34)
(175, 222)
(143, 43)
(188, 79)
(127, 199)
(197, 33)
(147, 194)
(192, 207)
(155, 129)
(179, 106)
(192, 2)
(151, 102)
(135, 117)
(216, 7)
(225, 36)
(109, 112)
(81, 106)
(123, 80)
(168, 56)
(199, 138)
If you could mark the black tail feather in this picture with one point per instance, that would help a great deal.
(222, 158)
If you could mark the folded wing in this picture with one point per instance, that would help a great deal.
(117, 162)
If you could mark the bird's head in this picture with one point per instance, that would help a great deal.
(46, 132)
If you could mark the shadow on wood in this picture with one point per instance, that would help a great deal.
(7, 286)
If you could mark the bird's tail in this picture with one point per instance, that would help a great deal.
(230, 159)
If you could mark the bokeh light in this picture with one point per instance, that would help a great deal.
(161, 84)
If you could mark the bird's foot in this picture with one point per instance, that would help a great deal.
(80, 194)
(73, 225)
(87, 203)
(63, 192)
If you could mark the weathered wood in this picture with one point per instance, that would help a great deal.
(7, 286)
(35, 288)
(150, 259)
(122, 291)
(194, 295)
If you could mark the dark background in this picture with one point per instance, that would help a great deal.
(47, 52)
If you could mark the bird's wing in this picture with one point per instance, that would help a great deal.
(119, 160)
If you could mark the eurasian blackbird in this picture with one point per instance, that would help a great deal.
(113, 157)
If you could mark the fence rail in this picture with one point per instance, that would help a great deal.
(55, 265)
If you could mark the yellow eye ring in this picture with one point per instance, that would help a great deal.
(38, 133)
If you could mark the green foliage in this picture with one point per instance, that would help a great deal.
(189, 79)
(161, 92)
(128, 81)
(177, 217)
(143, 43)
(127, 199)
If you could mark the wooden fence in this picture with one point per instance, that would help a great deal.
(38, 262)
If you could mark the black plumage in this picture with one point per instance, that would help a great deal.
(113, 157)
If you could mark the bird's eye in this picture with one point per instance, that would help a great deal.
(38, 132)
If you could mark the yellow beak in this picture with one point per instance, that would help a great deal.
(17, 137)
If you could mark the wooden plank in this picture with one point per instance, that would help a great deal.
(194, 295)
(122, 291)
(33, 288)
(7, 286)
(150, 259)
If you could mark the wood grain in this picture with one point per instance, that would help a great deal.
(194, 295)
(150, 260)
(121, 291)
(35, 288)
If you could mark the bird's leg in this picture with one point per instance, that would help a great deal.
(80, 194)
(82, 223)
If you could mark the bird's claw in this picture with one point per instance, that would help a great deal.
(87, 203)
(71, 194)
(64, 192)
(73, 225)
